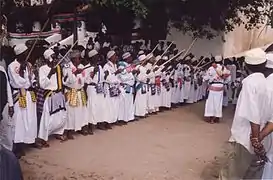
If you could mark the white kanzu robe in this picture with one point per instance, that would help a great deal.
(141, 105)
(96, 100)
(126, 105)
(150, 97)
(187, 81)
(214, 103)
(7, 123)
(112, 102)
(25, 119)
(77, 115)
(250, 108)
(268, 141)
(52, 123)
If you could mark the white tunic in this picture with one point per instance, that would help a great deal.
(77, 116)
(112, 102)
(251, 102)
(268, 141)
(141, 106)
(150, 98)
(126, 104)
(214, 103)
(96, 101)
(187, 82)
(25, 118)
(51, 123)
(7, 123)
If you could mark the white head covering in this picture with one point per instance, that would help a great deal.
(165, 58)
(255, 56)
(110, 54)
(92, 53)
(193, 59)
(126, 55)
(48, 53)
(269, 62)
(142, 57)
(141, 53)
(83, 53)
(19, 49)
(105, 44)
(157, 58)
(188, 58)
(218, 58)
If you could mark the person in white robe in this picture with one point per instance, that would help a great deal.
(151, 98)
(112, 87)
(95, 92)
(266, 135)
(22, 81)
(141, 106)
(214, 104)
(54, 114)
(7, 111)
(157, 70)
(126, 105)
(76, 101)
(187, 81)
(248, 153)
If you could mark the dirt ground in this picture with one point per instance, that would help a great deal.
(173, 145)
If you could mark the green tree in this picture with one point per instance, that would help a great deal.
(202, 18)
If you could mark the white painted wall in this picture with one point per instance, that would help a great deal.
(202, 47)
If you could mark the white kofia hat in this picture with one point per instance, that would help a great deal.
(255, 56)
(157, 58)
(142, 57)
(269, 62)
(20, 48)
(83, 54)
(110, 54)
(126, 55)
(92, 53)
(165, 58)
(48, 53)
(141, 52)
(218, 58)
(193, 59)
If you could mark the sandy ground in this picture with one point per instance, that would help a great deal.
(173, 145)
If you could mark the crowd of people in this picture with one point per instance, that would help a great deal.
(80, 89)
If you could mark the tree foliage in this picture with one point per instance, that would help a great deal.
(202, 18)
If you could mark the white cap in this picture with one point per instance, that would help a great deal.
(19, 49)
(165, 58)
(193, 59)
(142, 57)
(48, 53)
(92, 53)
(75, 54)
(126, 55)
(255, 56)
(141, 53)
(110, 54)
(188, 58)
(149, 56)
(218, 58)
(157, 58)
(269, 62)
(83, 53)
(105, 44)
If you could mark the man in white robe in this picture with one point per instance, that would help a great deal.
(215, 76)
(6, 111)
(248, 154)
(126, 105)
(266, 135)
(112, 83)
(95, 92)
(54, 114)
(25, 117)
(141, 106)
(76, 101)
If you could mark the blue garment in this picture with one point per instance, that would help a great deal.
(9, 166)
